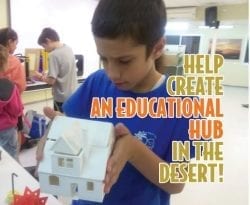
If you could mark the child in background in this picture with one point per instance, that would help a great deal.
(15, 71)
(62, 67)
(129, 37)
(10, 108)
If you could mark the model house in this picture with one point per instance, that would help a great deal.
(75, 158)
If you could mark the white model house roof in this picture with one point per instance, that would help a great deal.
(72, 140)
(63, 146)
(97, 130)
(100, 136)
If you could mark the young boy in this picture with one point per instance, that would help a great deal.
(129, 37)
(62, 67)
(10, 108)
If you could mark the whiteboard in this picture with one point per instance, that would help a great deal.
(70, 18)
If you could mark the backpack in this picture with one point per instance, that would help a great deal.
(34, 124)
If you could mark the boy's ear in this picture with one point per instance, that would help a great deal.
(158, 48)
(47, 40)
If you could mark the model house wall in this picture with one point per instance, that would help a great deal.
(75, 158)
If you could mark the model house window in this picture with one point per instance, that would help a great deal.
(90, 186)
(69, 163)
(54, 180)
(74, 188)
(61, 162)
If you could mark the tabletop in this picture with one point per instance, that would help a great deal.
(8, 166)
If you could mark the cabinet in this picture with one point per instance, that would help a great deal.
(37, 100)
(34, 96)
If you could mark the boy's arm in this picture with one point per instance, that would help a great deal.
(128, 148)
(40, 147)
(44, 78)
(50, 113)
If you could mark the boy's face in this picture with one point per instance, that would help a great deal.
(126, 64)
(12, 44)
(48, 46)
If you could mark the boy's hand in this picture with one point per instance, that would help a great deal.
(122, 152)
(50, 113)
(38, 76)
(40, 147)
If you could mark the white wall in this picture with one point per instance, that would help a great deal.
(70, 18)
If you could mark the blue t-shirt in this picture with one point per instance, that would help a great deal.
(132, 188)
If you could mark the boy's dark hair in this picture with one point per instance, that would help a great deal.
(7, 34)
(48, 33)
(3, 57)
(141, 20)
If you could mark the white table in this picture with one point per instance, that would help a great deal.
(7, 166)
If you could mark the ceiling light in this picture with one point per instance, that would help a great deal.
(177, 26)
